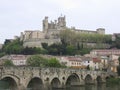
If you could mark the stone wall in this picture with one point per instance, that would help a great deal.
(38, 42)
(51, 31)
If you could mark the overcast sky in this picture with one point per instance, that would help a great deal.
(19, 15)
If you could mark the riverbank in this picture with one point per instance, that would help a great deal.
(113, 81)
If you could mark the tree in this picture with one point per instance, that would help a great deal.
(13, 47)
(55, 49)
(118, 68)
(70, 50)
(45, 45)
(2, 54)
(8, 63)
(119, 60)
(36, 61)
(84, 40)
(53, 62)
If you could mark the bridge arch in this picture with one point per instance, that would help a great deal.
(72, 80)
(35, 84)
(108, 77)
(11, 81)
(55, 83)
(88, 79)
(99, 79)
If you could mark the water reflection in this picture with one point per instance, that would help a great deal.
(86, 87)
(92, 87)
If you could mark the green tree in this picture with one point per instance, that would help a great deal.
(53, 62)
(37, 61)
(13, 47)
(2, 54)
(8, 63)
(69, 37)
(85, 51)
(118, 68)
(70, 50)
(56, 49)
(45, 45)
(117, 42)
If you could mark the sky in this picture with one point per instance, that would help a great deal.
(16, 16)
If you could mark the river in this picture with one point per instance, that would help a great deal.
(86, 87)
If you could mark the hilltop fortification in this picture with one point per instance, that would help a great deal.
(50, 32)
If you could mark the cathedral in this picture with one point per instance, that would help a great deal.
(50, 32)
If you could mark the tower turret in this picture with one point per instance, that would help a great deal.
(45, 24)
(101, 31)
(61, 22)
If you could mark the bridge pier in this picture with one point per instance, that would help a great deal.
(46, 85)
(21, 87)
(82, 82)
(95, 82)
(103, 81)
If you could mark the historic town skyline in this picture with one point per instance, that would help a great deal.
(18, 16)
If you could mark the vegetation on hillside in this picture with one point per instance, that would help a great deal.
(8, 63)
(16, 47)
(72, 43)
(116, 43)
(71, 37)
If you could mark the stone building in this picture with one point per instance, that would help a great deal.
(105, 52)
(18, 60)
(1, 45)
(50, 32)
(71, 61)
(115, 36)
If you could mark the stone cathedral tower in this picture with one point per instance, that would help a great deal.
(59, 24)
(45, 24)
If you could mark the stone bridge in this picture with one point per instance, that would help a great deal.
(21, 78)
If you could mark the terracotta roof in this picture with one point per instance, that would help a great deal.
(15, 57)
(72, 58)
(96, 60)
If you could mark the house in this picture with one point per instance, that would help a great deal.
(113, 63)
(105, 52)
(87, 62)
(104, 62)
(96, 64)
(18, 60)
(92, 63)
(71, 61)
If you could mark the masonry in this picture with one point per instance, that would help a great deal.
(50, 32)
(21, 78)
